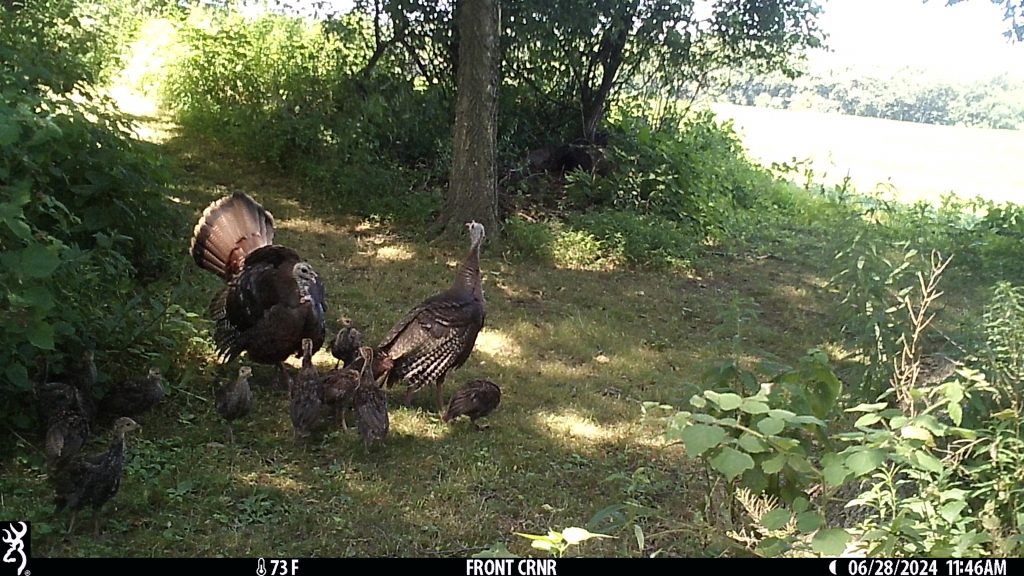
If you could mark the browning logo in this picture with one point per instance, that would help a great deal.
(17, 539)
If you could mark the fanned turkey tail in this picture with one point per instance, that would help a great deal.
(229, 230)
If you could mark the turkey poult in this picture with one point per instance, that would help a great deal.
(68, 412)
(345, 347)
(133, 397)
(438, 335)
(370, 403)
(234, 399)
(339, 387)
(475, 399)
(272, 299)
(307, 395)
(92, 480)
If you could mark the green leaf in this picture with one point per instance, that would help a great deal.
(806, 419)
(774, 464)
(780, 414)
(542, 545)
(864, 461)
(800, 504)
(868, 407)
(727, 401)
(799, 463)
(40, 335)
(38, 261)
(835, 470)
(751, 406)
(956, 414)
(9, 133)
(927, 461)
(770, 426)
(809, 521)
(731, 462)
(917, 433)
(776, 519)
(639, 533)
(17, 374)
(752, 443)
(830, 542)
(576, 535)
(867, 420)
(698, 401)
(497, 550)
(698, 438)
(950, 511)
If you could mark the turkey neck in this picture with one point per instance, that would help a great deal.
(468, 278)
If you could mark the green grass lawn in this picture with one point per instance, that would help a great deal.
(575, 352)
(919, 161)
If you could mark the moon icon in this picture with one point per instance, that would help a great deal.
(832, 567)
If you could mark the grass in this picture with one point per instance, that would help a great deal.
(914, 161)
(575, 352)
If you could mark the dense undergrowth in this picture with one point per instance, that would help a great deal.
(928, 456)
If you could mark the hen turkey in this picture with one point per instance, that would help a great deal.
(307, 395)
(438, 335)
(92, 480)
(475, 399)
(272, 300)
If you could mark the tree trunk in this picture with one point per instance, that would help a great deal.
(472, 193)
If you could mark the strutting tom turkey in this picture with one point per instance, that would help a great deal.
(438, 335)
(273, 299)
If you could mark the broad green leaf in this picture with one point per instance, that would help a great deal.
(40, 335)
(727, 401)
(917, 433)
(950, 511)
(770, 426)
(774, 464)
(956, 414)
(752, 443)
(698, 438)
(830, 542)
(953, 494)
(835, 470)
(927, 461)
(698, 401)
(809, 521)
(731, 462)
(800, 504)
(576, 535)
(780, 414)
(542, 545)
(776, 519)
(38, 261)
(868, 407)
(772, 547)
(805, 419)
(755, 480)
(17, 374)
(864, 461)
(751, 406)
(799, 463)
(869, 419)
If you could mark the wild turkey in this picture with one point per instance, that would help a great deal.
(307, 395)
(475, 399)
(234, 399)
(92, 480)
(67, 411)
(339, 386)
(438, 335)
(345, 347)
(133, 397)
(370, 403)
(272, 299)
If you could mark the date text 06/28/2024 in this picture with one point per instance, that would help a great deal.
(931, 567)
(510, 567)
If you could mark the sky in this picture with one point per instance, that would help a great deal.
(963, 41)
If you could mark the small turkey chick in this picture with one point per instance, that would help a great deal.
(67, 411)
(339, 385)
(133, 397)
(370, 403)
(307, 394)
(345, 347)
(475, 399)
(92, 480)
(234, 399)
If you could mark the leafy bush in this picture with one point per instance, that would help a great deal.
(84, 222)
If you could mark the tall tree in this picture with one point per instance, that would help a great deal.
(472, 193)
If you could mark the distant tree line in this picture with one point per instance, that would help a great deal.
(907, 95)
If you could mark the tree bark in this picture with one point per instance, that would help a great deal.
(472, 192)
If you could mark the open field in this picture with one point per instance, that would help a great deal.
(920, 161)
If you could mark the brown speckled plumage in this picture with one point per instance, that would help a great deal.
(476, 399)
(307, 395)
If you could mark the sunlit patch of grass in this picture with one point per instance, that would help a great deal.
(394, 253)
